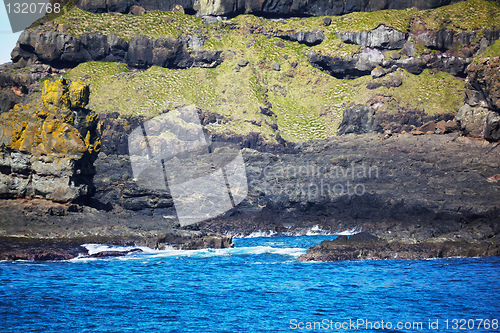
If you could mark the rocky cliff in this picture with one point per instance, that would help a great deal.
(62, 50)
(278, 88)
(48, 148)
(480, 116)
(274, 8)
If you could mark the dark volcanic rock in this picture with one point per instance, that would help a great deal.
(364, 246)
(492, 129)
(62, 50)
(42, 230)
(36, 249)
(357, 119)
(314, 37)
(275, 8)
(350, 67)
(481, 113)
(414, 187)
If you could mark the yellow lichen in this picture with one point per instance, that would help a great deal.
(48, 127)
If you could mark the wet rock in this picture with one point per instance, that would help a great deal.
(369, 247)
(327, 21)
(104, 254)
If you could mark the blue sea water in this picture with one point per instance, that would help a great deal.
(258, 286)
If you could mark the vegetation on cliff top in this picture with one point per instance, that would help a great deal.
(307, 103)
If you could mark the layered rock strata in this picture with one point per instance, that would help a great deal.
(267, 8)
(62, 50)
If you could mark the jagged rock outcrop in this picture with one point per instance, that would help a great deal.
(62, 50)
(363, 63)
(349, 67)
(382, 37)
(47, 149)
(268, 8)
(450, 58)
(447, 39)
(480, 115)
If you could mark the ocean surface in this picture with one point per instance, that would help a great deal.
(258, 286)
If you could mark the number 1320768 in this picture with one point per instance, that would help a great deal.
(469, 324)
(33, 8)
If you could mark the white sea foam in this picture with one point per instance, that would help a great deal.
(205, 253)
(314, 231)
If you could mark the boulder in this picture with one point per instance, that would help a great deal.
(427, 127)
(472, 120)
(137, 10)
(357, 119)
(492, 128)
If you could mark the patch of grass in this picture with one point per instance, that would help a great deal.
(464, 16)
(307, 103)
(433, 92)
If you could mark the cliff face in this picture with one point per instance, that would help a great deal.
(48, 148)
(62, 50)
(480, 116)
(277, 8)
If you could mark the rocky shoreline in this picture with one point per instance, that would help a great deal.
(365, 246)
(36, 229)
(425, 189)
